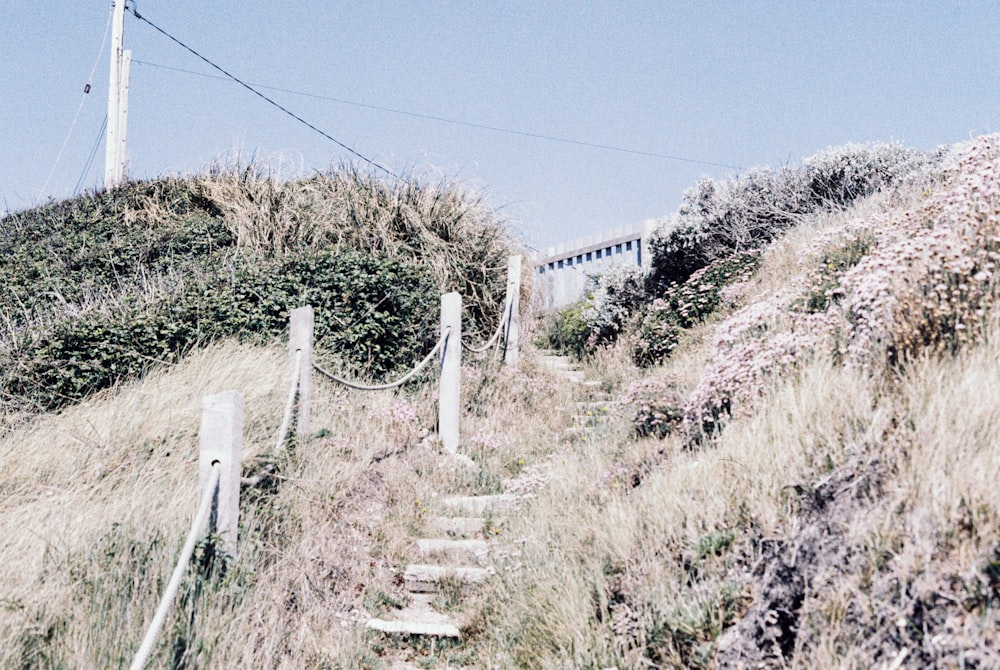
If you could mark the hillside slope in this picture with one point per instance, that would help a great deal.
(824, 491)
(101, 288)
(799, 471)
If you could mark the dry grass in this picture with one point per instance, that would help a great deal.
(97, 499)
(448, 226)
(840, 519)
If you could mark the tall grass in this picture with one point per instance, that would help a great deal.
(443, 224)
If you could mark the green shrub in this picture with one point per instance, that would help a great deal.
(616, 295)
(824, 281)
(838, 175)
(658, 407)
(685, 305)
(100, 287)
(748, 211)
(657, 334)
(567, 331)
(677, 250)
(374, 314)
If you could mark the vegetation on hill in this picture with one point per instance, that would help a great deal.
(710, 242)
(101, 287)
(811, 490)
(799, 471)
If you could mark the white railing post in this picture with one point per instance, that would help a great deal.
(449, 394)
(512, 307)
(221, 439)
(300, 339)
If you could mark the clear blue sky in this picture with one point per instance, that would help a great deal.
(735, 83)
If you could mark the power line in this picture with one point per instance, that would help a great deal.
(93, 153)
(457, 122)
(83, 99)
(262, 96)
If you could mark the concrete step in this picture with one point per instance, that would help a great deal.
(415, 628)
(577, 434)
(600, 405)
(481, 504)
(453, 550)
(457, 526)
(557, 362)
(417, 618)
(420, 578)
(589, 419)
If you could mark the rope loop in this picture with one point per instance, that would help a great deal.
(286, 420)
(399, 382)
(494, 338)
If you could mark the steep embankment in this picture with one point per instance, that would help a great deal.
(822, 492)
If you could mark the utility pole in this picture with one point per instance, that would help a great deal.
(121, 61)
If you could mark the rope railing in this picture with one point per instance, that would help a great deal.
(286, 420)
(220, 457)
(494, 338)
(201, 518)
(399, 382)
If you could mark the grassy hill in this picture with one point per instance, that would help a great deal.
(103, 287)
(801, 473)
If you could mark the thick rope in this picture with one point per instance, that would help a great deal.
(399, 382)
(286, 421)
(167, 600)
(504, 318)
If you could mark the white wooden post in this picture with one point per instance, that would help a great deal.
(512, 306)
(300, 339)
(222, 442)
(449, 394)
(112, 153)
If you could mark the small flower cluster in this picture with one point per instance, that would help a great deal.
(749, 348)
(931, 286)
(402, 424)
(657, 406)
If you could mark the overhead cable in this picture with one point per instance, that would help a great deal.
(83, 99)
(457, 122)
(93, 154)
(262, 96)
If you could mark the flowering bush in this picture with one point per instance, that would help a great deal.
(884, 290)
(658, 407)
(931, 284)
(687, 304)
(748, 349)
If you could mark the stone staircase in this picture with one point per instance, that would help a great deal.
(454, 558)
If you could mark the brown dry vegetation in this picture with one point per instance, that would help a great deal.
(844, 514)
